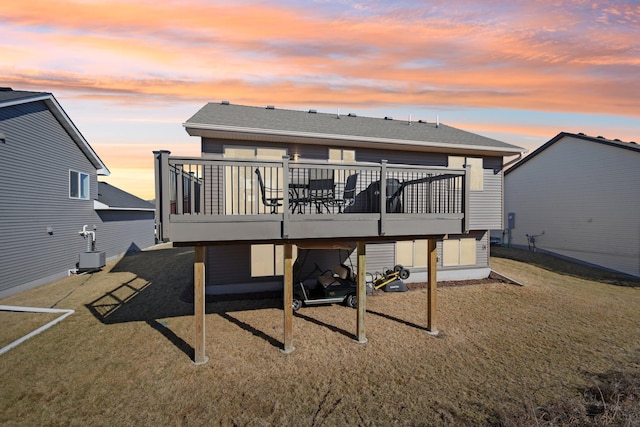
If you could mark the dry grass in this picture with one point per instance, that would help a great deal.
(505, 355)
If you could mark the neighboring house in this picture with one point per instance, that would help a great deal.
(251, 258)
(125, 219)
(578, 197)
(50, 191)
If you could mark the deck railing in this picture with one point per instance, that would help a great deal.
(198, 190)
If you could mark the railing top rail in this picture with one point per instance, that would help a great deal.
(178, 160)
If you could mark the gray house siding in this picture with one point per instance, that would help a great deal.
(485, 213)
(124, 231)
(39, 222)
(34, 171)
(584, 196)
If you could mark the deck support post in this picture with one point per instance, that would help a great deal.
(432, 286)
(288, 299)
(199, 304)
(361, 293)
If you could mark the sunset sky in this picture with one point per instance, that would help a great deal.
(130, 73)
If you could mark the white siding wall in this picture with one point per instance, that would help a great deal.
(585, 196)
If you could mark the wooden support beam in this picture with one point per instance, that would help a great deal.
(288, 299)
(361, 293)
(432, 286)
(199, 304)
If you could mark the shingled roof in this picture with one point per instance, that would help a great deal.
(274, 124)
(632, 146)
(10, 98)
(113, 198)
(7, 94)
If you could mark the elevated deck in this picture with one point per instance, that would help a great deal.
(214, 200)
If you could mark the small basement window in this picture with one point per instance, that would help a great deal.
(79, 185)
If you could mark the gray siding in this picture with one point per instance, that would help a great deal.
(485, 211)
(34, 171)
(584, 196)
(232, 264)
(486, 206)
(124, 231)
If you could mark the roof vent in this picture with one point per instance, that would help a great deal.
(388, 118)
(633, 142)
(421, 121)
(352, 115)
(270, 107)
(225, 103)
(313, 111)
(581, 133)
(600, 137)
(617, 139)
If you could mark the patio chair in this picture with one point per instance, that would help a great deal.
(349, 193)
(321, 188)
(272, 202)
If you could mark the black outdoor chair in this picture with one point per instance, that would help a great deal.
(349, 193)
(321, 188)
(272, 202)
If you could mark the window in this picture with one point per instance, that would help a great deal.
(459, 252)
(412, 253)
(268, 260)
(79, 185)
(339, 155)
(477, 178)
(240, 181)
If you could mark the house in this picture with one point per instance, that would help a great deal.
(50, 193)
(578, 197)
(271, 180)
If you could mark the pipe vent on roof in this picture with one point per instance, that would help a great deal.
(313, 111)
(352, 115)
(225, 103)
(388, 118)
(270, 107)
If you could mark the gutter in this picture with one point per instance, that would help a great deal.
(438, 146)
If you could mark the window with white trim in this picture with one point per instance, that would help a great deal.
(476, 171)
(79, 187)
(459, 252)
(340, 155)
(240, 182)
(268, 260)
(412, 253)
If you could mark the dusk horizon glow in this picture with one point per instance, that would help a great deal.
(129, 74)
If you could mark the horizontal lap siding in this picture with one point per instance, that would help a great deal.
(486, 205)
(584, 196)
(124, 231)
(34, 170)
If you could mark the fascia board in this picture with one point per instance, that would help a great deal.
(62, 117)
(236, 132)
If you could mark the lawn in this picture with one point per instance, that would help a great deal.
(505, 355)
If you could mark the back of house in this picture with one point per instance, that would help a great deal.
(239, 140)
